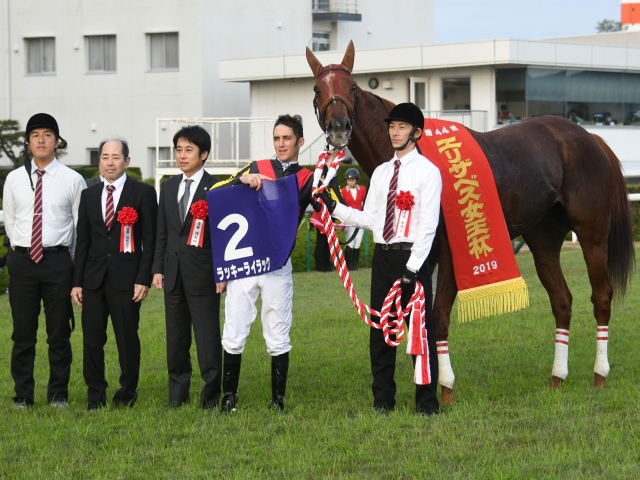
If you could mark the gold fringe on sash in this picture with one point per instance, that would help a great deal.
(493, 299)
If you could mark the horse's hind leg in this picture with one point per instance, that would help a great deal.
(545, 242)
(594, 249)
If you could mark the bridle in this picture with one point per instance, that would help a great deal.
(335, 96)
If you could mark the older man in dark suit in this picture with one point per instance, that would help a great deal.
(183, 266)
(112, 275)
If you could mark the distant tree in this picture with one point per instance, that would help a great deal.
(609, 26)
(11, 140)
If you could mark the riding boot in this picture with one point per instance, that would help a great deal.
(279, 371)
(348, 257)
(230, 379)
(356, 259)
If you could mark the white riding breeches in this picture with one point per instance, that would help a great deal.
(357, 241)
(277, 302)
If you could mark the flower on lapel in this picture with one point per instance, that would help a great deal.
(200, 210)
(127, 216)
(404, 200)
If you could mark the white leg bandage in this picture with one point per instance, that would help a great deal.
(561, 359)
(445, 372)
(602, 361)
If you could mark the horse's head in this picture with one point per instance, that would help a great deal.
(336, 97)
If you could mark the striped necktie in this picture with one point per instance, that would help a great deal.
(36, 230)
(387, 233)
(109, 212)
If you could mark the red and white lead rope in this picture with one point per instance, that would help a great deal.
(390, 322)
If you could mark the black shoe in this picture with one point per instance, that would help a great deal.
(381, 409)
(21, 404)
(96, 405)
(425, 412)
(209, 406)
(229, 403)
(277, 404)
(119, 402)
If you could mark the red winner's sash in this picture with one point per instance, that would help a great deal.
(487, 275)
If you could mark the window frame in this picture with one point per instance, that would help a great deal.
(152, 69)
(42, 72)
(87, 40)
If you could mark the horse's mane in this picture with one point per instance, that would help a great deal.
(387, 105)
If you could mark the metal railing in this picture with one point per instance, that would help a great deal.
(234, 140)
(337, 6)
(474, 119)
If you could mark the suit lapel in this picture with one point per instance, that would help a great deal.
(127, 187)
(94, 196)
(173, 185)
(201, 191)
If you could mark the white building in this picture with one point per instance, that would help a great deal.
(112, 68)
(594, 79)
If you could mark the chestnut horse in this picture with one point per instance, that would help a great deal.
(552, 177)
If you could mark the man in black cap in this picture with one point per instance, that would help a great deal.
(41, 210)
(403, 233)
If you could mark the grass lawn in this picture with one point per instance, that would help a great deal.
(506, 423)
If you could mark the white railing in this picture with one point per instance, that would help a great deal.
(234, 140)
(474, 119)
(334, 6)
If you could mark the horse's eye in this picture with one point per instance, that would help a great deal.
(317, 90)
(353, 87)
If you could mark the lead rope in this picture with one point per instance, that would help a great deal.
(390, 322)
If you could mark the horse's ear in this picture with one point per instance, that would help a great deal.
(314, 63)
(349, 55)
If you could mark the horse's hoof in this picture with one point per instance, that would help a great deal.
(599, 381)
(556, 382)
(447, 396)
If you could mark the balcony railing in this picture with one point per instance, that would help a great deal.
(474, 119)
(335, 10)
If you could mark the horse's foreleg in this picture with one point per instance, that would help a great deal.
(445, 295)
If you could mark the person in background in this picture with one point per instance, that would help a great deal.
(41, 203)
(353, 195)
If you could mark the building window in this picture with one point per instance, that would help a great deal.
(456, 93)
(101, 53)
(165, 160)
(163, 51)
(418, 92)
(94, 157)
(41, 55)
(320, 42)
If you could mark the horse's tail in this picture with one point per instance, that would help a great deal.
(620, 252)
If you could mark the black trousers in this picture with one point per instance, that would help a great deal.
(29, 284)
(184, 310)
(388, 266)
(97, 306)
(322, 254)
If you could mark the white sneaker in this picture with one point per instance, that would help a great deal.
(59, 404)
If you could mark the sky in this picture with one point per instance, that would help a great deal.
(464, 20)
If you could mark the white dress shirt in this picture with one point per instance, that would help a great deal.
(61, 188)
(119, 184)
(196, 177)
(416, 175)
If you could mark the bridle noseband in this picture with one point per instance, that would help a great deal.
(321, 110)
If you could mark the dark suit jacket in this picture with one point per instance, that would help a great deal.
(172, 252)
(98, 249)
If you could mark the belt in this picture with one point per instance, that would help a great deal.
(397, 246)
(44, 249)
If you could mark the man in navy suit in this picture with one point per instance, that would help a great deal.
(112, 274)
(183, 266)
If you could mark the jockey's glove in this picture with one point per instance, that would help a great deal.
(326, 198)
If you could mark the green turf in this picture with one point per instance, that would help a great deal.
(506, 423)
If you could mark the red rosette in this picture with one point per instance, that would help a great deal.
(404, 200)
(127, 216)
(200, 210)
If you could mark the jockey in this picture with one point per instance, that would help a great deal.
(353, 195)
